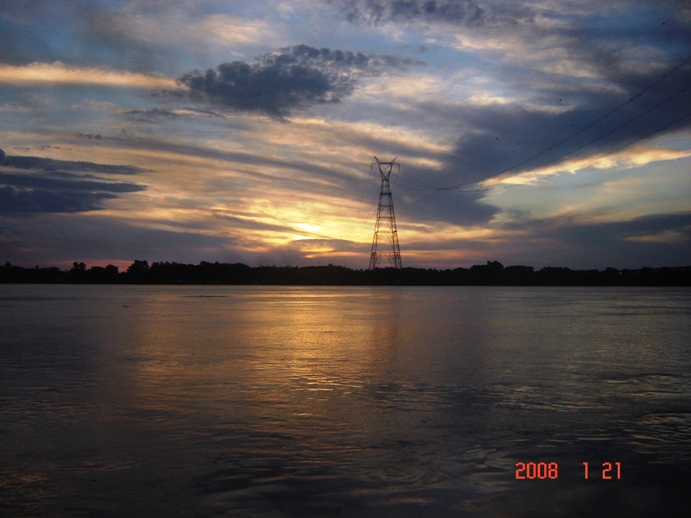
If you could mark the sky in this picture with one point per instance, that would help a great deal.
(533, 132)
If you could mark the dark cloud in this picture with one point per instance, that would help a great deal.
(599, 234)
(654, 240)
(466, 12)
(44, 188)
(20, 196)
(273, 90)
(415, 202)
(49, 164)
(15, 201)
(64, 237)
(65, 182)
(501, 140)
(502, 14)
(505, 139)
(344, 60)
(153, 114)
(295, 77)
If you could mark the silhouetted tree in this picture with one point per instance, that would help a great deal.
(137, 271)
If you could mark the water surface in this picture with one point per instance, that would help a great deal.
(348, 401)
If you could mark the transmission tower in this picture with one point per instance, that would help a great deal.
(385, 227)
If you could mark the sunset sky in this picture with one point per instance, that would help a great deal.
(536, 132)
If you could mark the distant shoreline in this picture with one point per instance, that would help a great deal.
(491, 274)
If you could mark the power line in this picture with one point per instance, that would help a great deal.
(603, 117)
(617, 128)
(421, 186)
(632, 142)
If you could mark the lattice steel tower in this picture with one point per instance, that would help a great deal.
(386, 222)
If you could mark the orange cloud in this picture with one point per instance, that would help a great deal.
(61, 74)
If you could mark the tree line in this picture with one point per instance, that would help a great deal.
(491, 274)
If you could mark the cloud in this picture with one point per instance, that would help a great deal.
(561, 130)
(570, 65)
(65, 182)
(273, 90)
(234, 31)
(466, 13)
(69, 237)
(295, 77)
(277, 165)
(198, 33)
(25, 201)
(57, 73)
(383, 11)
(153, 114)
(44, 188)
(653, 240)
(595, 235)
(50, 164)
(497, 13)
(307, 176)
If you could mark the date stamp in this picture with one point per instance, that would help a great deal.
(550, 471)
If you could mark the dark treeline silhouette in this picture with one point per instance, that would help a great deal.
(491, 274)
